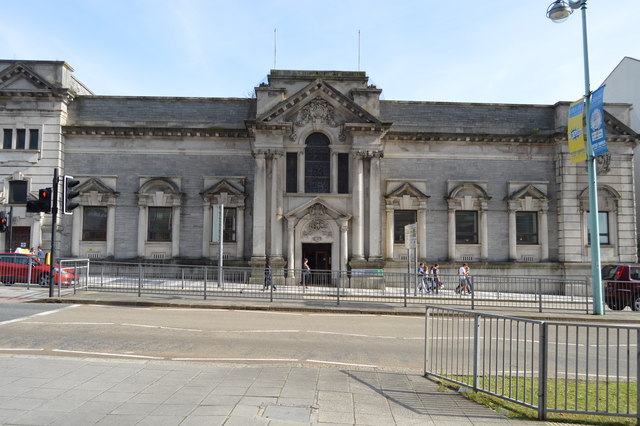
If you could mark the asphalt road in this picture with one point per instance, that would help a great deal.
(385, 342)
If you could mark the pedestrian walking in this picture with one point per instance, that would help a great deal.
(306, 272)
(268, 278)
(422, 277)
(463, 285)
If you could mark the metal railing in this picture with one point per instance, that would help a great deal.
(525, 293)
(80, 270)
(551, 367)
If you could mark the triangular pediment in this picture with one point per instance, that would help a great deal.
(318, 101)
(19, 77)
(407, 189)
(224, 186)
(316, 206)
(528, 191)
(94, 184)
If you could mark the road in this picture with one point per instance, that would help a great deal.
(385, 342)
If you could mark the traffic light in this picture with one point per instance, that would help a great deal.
(68, 182)
(43, 204)
(3, 222)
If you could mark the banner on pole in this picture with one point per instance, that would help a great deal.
(575, 134)
(596, 123)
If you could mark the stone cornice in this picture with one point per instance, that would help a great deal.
(465, 137)
(154, 131)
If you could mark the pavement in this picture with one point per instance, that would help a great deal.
(36, 390)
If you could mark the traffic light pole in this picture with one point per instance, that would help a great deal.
(54, 215)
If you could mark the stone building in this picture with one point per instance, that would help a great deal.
(315, 166)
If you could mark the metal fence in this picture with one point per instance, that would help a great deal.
(551, 367)
(525, 293)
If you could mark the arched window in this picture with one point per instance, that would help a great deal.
(317, 164)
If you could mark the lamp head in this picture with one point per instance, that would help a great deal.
(559, 11)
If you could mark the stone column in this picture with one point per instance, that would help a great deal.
(544, 235)
(291, 259)
(111, 229)
(142, 229)
(513, 247)
(374, 208)
(452, 231)
(175, 232)
(301, 188)
(207, 229)
(344, 244)
(390, 226)
(259, 206)
(358, 207)
(334, 172)
(240, 233)
(76, 232)
(484, 232)
(277, 200)
(422, 231)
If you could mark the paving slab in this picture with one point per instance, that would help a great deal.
(378, 398)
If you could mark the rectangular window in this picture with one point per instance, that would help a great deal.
(229, 225)
(7, 138)
(400, 219)
(17, 192)
(292, 172)
(159, 228)
(466, 227)
(603, 224)
(21, 135)
(526, 228)
(94, 224)
(343, 173)
(34, 138)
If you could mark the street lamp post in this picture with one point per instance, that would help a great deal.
(559, 11)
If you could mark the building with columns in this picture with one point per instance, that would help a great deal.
(315, 166)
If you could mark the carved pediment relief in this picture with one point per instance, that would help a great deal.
(528, 191)
(318, 102)
(20, 77)
(407, 189)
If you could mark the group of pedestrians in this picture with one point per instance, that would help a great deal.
(268, 275)
(429, 279)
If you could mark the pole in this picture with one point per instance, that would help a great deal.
(54, 215)
(220, 237)
(594, 226)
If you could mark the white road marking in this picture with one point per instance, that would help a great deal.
(71, 323)
(38, 314)
(354, 335)
(341, 363)
(267, 312)
(161, 327)
(107, 354)
(20, 349)
(238, 359)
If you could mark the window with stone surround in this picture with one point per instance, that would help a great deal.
(94, 223)
(466, 227)
(401, 218)
(159, 224)
(526, 227)
(317, 164)
(20, 139)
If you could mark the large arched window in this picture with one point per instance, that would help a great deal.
(317, 164)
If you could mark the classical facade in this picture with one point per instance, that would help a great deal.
(315, 166)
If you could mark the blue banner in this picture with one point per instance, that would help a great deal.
(596, 123)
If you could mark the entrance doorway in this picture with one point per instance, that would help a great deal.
(319, 256)
(21, 237)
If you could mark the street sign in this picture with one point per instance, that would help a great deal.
(411, 236)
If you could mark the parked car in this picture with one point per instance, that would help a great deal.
(22, 268)
(621, 286)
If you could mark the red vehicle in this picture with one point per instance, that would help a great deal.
(23, 268)
(621, 286)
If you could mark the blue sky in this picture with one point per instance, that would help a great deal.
(459, 51)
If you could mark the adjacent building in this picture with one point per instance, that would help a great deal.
(314, 166)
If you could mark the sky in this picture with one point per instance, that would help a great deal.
(490, 51)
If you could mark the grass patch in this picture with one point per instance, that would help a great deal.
(570, 395)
